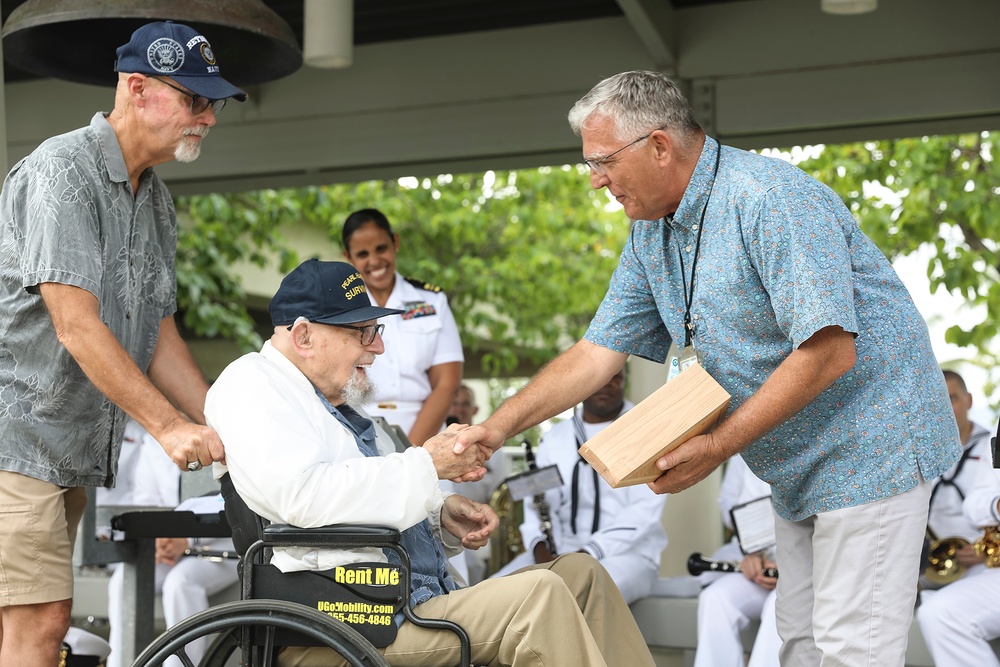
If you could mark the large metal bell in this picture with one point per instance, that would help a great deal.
(76, 39)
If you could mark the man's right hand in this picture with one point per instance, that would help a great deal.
(967, 556)
(170, 549)
(482, 436)
(186, 442)
(542, 553)
(752, 568)
(450, 464)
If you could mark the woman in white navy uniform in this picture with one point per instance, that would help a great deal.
(415, 379)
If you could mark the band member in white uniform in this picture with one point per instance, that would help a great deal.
(946, 518)
(958, 621)
(619, 527)
(416, 378)
(731, 600)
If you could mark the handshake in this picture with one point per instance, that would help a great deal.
(460, 464)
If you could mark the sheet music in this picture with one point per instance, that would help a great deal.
(533, 482)
(754, 524)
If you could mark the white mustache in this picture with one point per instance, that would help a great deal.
(196, 131)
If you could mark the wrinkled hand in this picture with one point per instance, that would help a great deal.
(542, 553)
(752, 568)
(186, 442)
(452, 465)
(481, 437)
(469, 521)
(687, 464)
(170, 549)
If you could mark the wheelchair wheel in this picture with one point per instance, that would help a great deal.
(221, 649)
(227, 619)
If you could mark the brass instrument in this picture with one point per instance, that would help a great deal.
(506, 542)
(942, 558)
(698, 564)
(987, 546)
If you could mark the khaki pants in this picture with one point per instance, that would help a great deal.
(38, 522)
(567, 612)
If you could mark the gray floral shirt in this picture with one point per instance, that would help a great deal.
(781, 258)
(67, 215)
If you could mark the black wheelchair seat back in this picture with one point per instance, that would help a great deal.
(365, 596)
(247, 526)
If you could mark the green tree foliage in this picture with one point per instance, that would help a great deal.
(216, 231)
(524, 256)
(942, 190)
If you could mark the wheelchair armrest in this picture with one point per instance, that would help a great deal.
(337, 536)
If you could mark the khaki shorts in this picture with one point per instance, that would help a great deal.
(38, 522)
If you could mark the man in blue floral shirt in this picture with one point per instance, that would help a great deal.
(762, 274)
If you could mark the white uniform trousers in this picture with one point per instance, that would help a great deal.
(725, 608)
(958, 621)
(719, 642)
(184, 588)
(848, 582)
(634, 575)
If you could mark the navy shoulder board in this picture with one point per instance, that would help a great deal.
(420, 284)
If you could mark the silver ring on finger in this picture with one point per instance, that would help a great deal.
(194, 466)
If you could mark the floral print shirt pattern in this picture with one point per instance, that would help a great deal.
(68, 215)
(780, 258)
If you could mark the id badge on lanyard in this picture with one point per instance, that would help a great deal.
(678, 362)
(688, 354)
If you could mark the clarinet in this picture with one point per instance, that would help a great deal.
(541, 504)
(697, 564)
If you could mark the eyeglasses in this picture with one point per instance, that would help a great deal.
(198, 103)
(598, 165)
(368, 331)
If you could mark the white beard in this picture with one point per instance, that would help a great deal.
(188, 150)
(358, 390)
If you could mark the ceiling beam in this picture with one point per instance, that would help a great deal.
(655, 24)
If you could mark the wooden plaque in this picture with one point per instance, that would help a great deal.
(625, 452)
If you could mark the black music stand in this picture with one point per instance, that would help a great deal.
(140, 529)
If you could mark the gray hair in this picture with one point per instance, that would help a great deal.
(638, 102)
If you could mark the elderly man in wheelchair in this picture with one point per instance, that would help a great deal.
(298, 453)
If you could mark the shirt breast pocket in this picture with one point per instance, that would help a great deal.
(420, 337)
(728, 269)
(155, 284)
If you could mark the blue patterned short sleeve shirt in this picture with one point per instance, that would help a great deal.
(780, 258)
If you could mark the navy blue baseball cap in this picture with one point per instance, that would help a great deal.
(175, 50)
(324, 292)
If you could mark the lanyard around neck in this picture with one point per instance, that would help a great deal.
(689, 296)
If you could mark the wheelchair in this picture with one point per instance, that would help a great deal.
(350, 610)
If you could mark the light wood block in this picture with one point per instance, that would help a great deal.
(625, 452)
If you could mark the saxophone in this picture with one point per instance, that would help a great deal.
(987, 546)
(505, 543)
(541, 504)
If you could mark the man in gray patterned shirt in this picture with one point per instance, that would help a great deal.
(88, 238)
